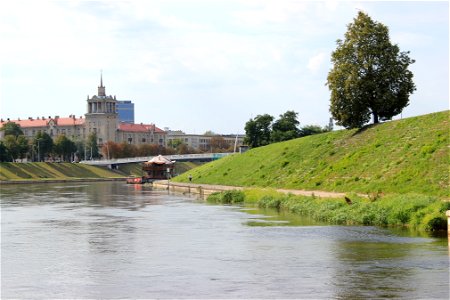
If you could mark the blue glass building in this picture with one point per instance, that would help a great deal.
(125, 109)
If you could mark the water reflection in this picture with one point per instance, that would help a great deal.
(112, 240)
(364, 266)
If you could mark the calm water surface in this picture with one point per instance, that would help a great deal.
(112, 240)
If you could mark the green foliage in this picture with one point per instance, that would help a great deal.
(227, 197)
(42, 145)
(286, 127)
(386, 158)
(258, 131)
(64, 147)
(11, 128)
(4, 155)
(369, 76)
(411, 210)
(16, 146)
(92, 147)
(312, 129)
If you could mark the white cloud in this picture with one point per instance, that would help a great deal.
(316, 62)
(262, 12)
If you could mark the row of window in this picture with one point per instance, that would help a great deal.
(52, 132)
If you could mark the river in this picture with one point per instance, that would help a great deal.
(111, 240)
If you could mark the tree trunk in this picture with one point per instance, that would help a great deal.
(375, 118)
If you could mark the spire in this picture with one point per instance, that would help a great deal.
(101, 78)
(101, 88)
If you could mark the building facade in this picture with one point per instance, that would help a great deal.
(125, 109)
(113, 120)
(205, 142)
(101, 118)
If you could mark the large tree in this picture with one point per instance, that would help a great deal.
(286, 127)
(258, 131)
(370, 75)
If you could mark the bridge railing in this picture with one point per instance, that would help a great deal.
(202, 156)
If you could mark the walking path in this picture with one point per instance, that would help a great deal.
(210, 188)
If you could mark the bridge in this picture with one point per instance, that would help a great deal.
(181, 157)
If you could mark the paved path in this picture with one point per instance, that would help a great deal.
(322, 194)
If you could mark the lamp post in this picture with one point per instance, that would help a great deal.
(39, 149)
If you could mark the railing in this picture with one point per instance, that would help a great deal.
(179, 157)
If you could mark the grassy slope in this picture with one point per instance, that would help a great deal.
(405, 156)
(36, 171)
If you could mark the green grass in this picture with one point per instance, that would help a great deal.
(408, 210)
(41, 170)
(398, 157)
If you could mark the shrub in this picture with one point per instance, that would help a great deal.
(227, 197)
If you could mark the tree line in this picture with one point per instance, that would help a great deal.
(15, 145)
(264, 129)
(42, 147)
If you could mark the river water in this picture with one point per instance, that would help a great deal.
(112, 240)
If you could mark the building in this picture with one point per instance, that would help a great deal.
(205, 142)
(101, 118)
(125, 109)
(113, 120)
(72, 127)
(137, 134)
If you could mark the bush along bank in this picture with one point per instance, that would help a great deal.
(409, 210)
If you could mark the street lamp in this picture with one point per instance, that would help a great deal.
(39, 149)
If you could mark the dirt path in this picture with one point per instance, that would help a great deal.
(321, 194)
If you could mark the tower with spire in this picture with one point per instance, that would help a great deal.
(101, 116)
(101, 88)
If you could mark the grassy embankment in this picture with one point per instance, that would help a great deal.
(41, 171)
(403, 166)
(67, 171)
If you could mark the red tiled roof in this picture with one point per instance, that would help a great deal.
(139, 128)
(26, 123)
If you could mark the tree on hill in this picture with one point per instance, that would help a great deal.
(286, 127)
(312, 129)
(370, 75)
(11, 128)
(258, 131)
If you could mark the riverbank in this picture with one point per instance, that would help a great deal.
(30, 181)
(406, 210)
(397, 157)
(204, 190)
(36, 172)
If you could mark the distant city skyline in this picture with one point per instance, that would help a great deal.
(203, 65)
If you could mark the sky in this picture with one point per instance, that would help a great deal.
(206, 64)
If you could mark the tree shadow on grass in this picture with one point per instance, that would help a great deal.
(364, 128)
